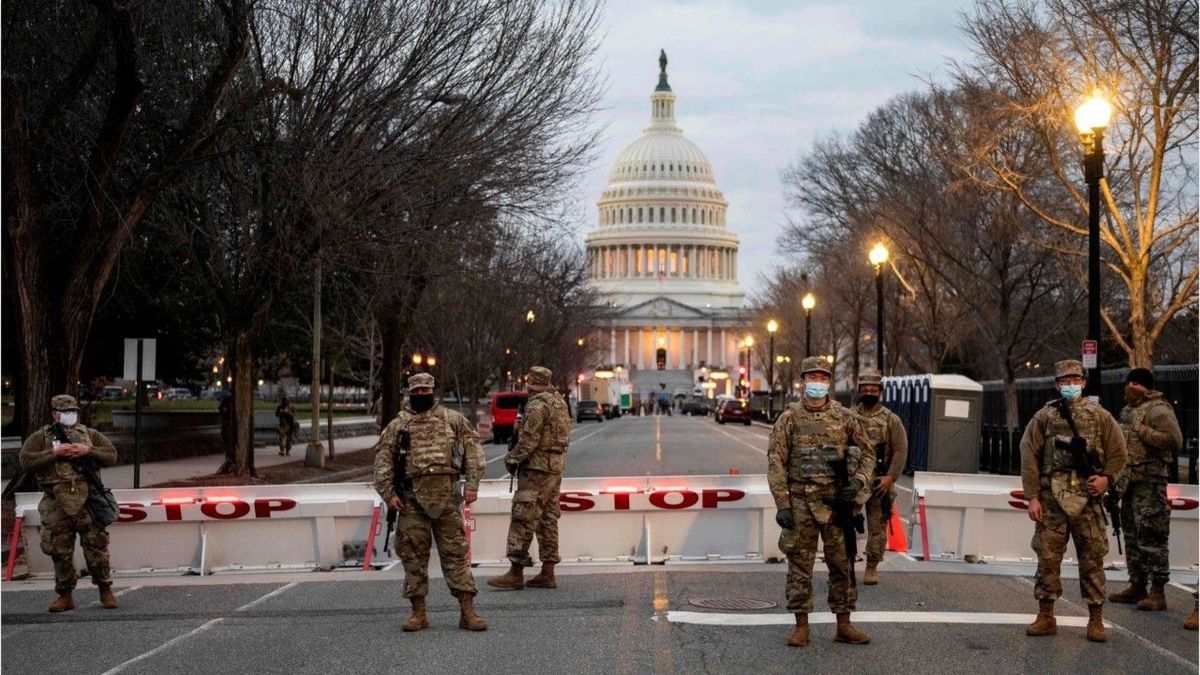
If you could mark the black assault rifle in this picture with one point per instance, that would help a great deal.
(844, 515)
(399, 481)
(513, 439)
(1086, 462)
(881, 470)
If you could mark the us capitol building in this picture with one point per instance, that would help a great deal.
(664, 262)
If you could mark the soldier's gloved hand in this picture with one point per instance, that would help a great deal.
(849, 493)
(785, 518)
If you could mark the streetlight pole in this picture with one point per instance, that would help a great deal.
(772, 326)
(1091, 119)
(879, 256)
(808, 303)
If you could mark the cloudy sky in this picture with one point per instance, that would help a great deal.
(757, 82)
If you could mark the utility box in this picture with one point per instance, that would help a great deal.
(943, 415)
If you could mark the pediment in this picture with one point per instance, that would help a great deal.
(661, 307)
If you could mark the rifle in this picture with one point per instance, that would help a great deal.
(1086, 462)
(881, 470)
(513, 439)
(844, 515)
(399, 482)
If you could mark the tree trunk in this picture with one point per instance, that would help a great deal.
(1012, 418)
(243, 405)
(393, 364)
(329, 409)
(314, 454)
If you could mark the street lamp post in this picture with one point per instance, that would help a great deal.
(772, 326)
(749, 367)
(879, 256)
(808, 303)
(1091, 119)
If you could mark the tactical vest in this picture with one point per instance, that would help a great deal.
(62, 471)
(556, 428)
(1087, 422)
(817, 438)
(1145, 462)
(876, 427)
(433, 441)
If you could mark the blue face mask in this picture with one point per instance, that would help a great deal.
(816, 390)
(1070, 391)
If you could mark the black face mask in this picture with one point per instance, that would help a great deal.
(420, 402)
(868, 400)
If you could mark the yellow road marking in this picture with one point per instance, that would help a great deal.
(657, 440)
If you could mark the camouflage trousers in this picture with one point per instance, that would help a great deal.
(800, 546)
(1050, 543)
(1146, 521)
(285, 439)
(876, 527)
(416, 531)
(58, 541)
(535, 511)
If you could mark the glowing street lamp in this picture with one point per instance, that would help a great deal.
(772, 326)
(878, 256)
(1091, 119)
(808, 303)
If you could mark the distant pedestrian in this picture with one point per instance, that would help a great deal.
(286, 416)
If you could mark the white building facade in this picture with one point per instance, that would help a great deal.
(663, 260)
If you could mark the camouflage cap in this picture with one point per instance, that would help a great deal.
(64, 402)
(1068, 367)
(815, 364)
(870, 377)
(538, 378)
(420, 381)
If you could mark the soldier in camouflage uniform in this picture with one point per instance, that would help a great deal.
(285, 413)
(890, 444)
(538, 461)
(56, 466)
(1065, 504)
(806, 440)
(442, 445)
(1152, 437)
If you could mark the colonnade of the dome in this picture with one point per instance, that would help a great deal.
(672, 261)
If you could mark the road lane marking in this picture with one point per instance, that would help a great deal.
(501, 456)
(657, 440)
(1181, 587)
(96, 603)
(992, 618)
(662, 635)
(749, 445)
(195, 631)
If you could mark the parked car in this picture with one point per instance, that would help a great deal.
(178, 394)
(112, 392)
(588, 410)
(735, 410)
(506, 405)
(696, 406)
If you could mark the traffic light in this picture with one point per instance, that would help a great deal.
(741, 370)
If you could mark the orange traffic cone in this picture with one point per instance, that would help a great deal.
(896, 540)
(733, 471)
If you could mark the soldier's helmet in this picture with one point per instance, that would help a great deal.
(64, 402)
(870, 377)
(815, 364)
(538, 379)
(420, 383)
(1068, 367)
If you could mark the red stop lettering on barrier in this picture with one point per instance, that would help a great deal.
(212, 510)
(264, 507)
(1184, 504)
(688, 498)
(575, 501)
(130, 513)
(1018, 500)
(712, 497)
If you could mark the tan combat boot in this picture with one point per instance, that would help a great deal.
(467, 618)
(871, 576)
(848, 633)
(1044, 624)
(513, 579)
(107, 599)
(1130, 596)
(1095, 627)
(62, 603)
(418, 620)
(1156, 601)
(544, 579)
(799, 636)
(1192, 621)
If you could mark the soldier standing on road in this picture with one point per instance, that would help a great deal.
(890, 444)
(538, 461)
(61, 471)
(286, 415)
(806, 441)
(428, 501)
(1152, 437)
(1064, 503)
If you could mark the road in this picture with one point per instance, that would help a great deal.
(657, 446)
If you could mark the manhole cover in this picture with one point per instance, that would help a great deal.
(731, 603)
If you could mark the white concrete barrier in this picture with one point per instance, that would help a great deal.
(984, 517)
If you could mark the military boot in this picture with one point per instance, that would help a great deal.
(1130, 596)
(848, 633)
(1095, 627)
(871, 575)
(544, 579)
(799, 636)
(1044, 624)
(62, 603)
(513, 579)
(467, 618)
(1156, 601)
(1192, 621)
(419, 619)
(107, 599)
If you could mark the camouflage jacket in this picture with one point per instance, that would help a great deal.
(884, 426)
(1152, 437)
(803, 442)
(1040, 459)
(439, 437)
(544, 434)
(57, 475)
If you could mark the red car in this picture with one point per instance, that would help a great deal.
(735, 410)
(505, 406)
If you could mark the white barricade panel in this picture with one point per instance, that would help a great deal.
(985, 517)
